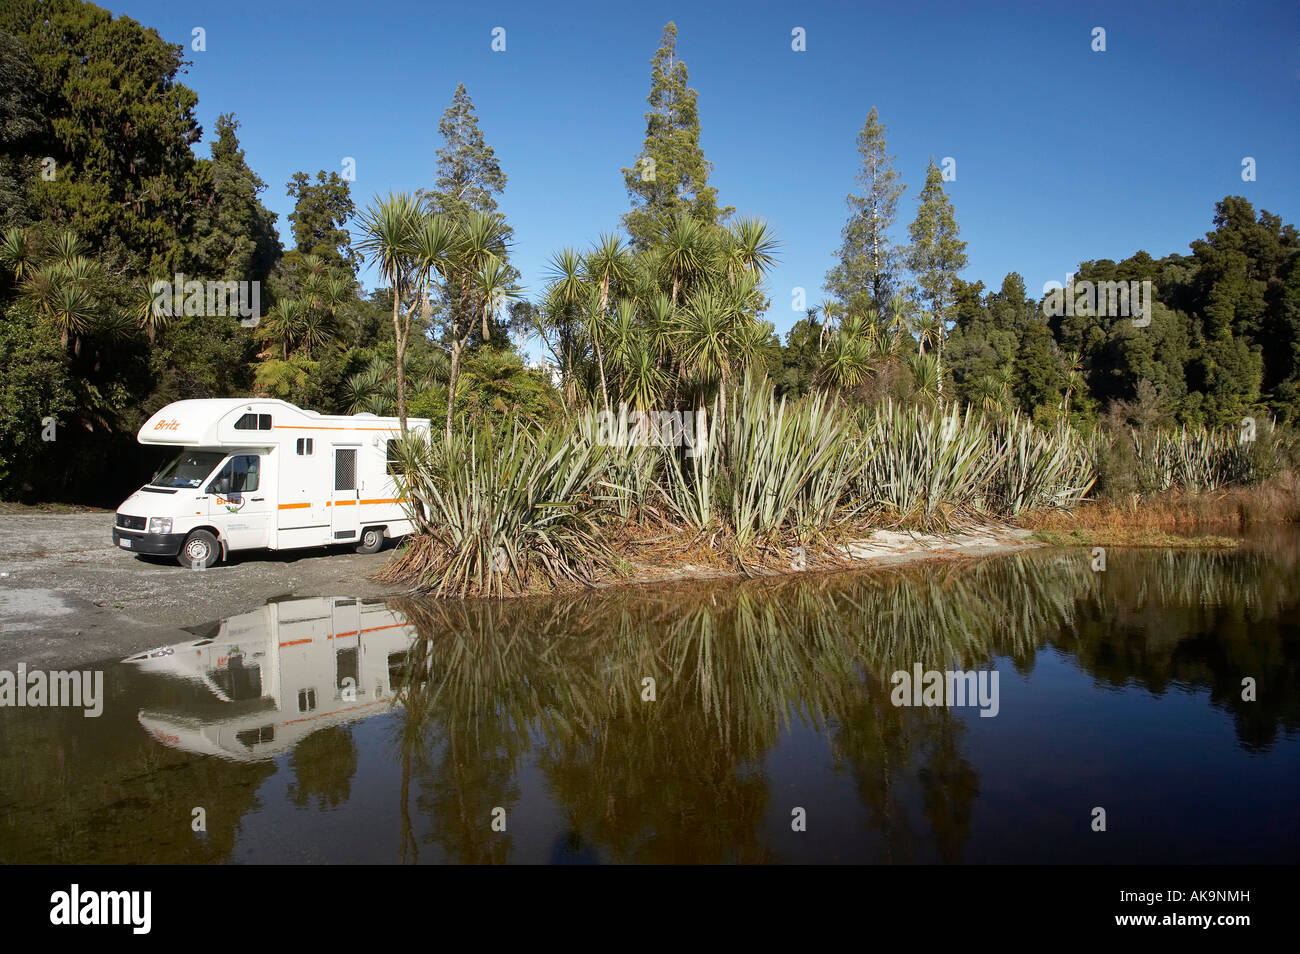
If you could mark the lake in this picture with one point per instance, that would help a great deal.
(729, 722)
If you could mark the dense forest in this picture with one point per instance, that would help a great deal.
(106, 204)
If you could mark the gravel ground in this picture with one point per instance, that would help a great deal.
(69, 597)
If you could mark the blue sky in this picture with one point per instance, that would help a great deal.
(1062, 154)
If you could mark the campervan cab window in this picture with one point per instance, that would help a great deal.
(239, 476)
(188, 469)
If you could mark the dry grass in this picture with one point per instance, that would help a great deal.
(1176, 518)
(663, 545)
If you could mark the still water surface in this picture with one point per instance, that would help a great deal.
(331, 730)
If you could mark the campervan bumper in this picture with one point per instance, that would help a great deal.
(151, 544)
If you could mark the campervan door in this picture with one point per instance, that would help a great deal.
(241, 502)
(345, 497)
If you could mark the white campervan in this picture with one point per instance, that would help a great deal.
(255, 473)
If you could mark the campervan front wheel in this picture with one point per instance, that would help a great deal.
(200, 551)
(372, 540)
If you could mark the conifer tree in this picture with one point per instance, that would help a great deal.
(467, 180)
(670, 176)
(468, 175)
(234, 233)
(936, 254)
(867, 272)
(320, 212)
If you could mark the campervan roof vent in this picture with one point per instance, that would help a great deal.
(365, 414)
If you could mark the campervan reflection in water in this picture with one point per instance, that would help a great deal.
(280, 673)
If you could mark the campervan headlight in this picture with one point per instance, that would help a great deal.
(160, 524)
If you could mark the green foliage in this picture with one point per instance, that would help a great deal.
(936, 254)
(121, 128)
(1039, 469)
(1223, 335)
(34, 385)
(1134, 462)
(200, 358)
(792, 472)
(1198, 459)
(672, 319)
(99, 95)
(846, 362)
(496, 385)
(1036, 370)
(800, 358)
(929, 466)
(691, 476)
(663, 327)
(420, 254)
(926, 464)
(787, 467)
(500, 509)
(292, 380)
(467, 180)
(23, 127)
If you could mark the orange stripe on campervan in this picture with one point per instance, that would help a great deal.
(346, 503)
(295, 427)
(355, 632)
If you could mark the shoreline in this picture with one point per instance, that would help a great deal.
(882, 549)
(68, 596)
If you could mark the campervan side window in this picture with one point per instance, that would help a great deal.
(253, 422)
(305, 447)
(394, 459)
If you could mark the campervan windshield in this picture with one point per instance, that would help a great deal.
(188, 469)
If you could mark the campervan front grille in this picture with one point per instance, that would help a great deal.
(130, 523)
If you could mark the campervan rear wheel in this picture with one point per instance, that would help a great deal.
(200, 551)
(372, 540)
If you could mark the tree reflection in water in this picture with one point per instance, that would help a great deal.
(681, 779)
